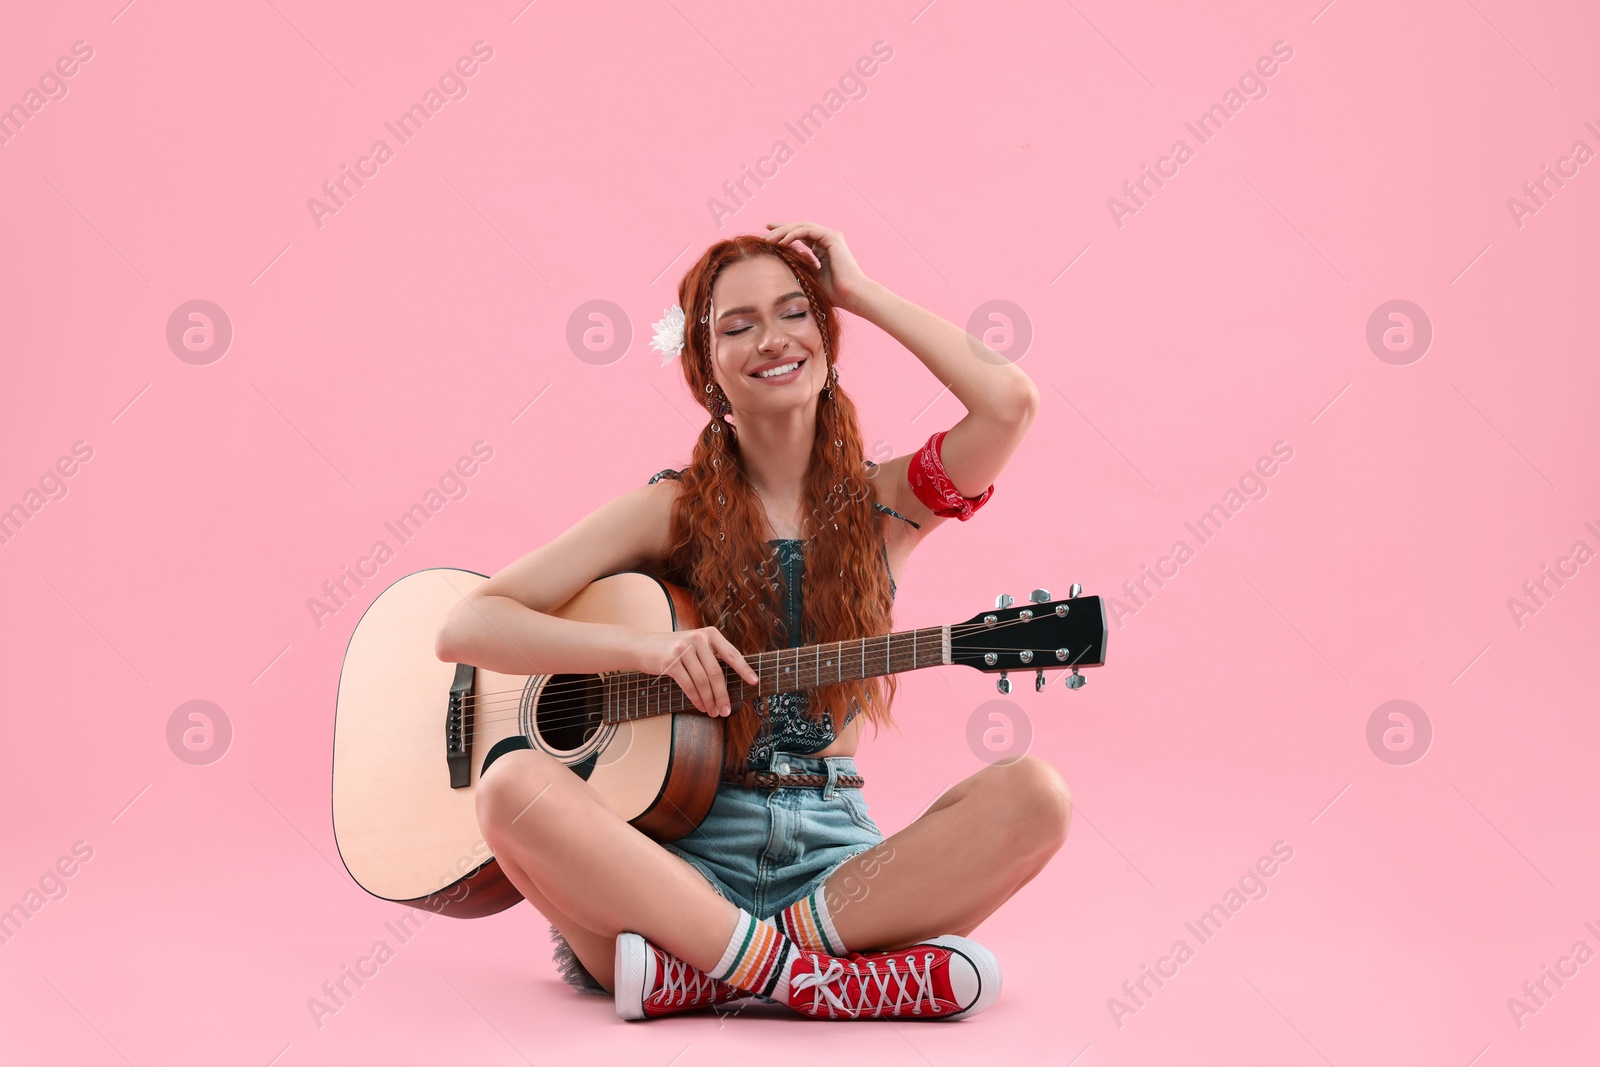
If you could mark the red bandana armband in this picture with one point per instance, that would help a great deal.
(933, 486)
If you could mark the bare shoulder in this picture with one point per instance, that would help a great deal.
(631, 531)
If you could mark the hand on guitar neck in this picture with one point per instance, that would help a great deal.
(694, 659)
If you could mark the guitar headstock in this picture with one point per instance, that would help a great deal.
(1043, 635)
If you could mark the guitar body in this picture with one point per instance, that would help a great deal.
(405, 831)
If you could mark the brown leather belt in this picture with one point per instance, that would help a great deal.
(773, 780)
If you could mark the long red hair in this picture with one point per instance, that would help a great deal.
(719, 528)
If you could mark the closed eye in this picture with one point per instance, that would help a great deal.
(796, 315)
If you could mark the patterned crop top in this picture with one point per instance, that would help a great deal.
(785, 726)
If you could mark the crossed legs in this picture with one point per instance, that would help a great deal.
(981, 841)
(593, 876)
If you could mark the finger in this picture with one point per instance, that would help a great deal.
(708, 673)
(740, 664)
(680, 674)
(815, 252)
(694, 682)
(671, 669)
(718, 681)
(822, 245)
(791, 236)
(791, 231)
(807, 235)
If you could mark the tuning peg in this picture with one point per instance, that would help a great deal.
(1004, 683)
(1075, 680)
(1072, 594)
(1003, 600)
(1038, 682)
(1040, 596)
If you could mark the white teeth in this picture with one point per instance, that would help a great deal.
(775, 371)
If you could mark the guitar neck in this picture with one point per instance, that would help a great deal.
(637, 695)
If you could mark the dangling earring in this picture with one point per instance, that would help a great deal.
(718, 404)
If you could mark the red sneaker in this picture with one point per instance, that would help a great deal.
(651, 982)
(947, 977)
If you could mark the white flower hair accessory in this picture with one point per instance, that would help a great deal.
(669, 334)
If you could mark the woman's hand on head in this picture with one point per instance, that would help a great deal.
(842, 277)
(694, 659)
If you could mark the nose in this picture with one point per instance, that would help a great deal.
(772, 337)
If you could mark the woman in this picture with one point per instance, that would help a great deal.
(788, 890)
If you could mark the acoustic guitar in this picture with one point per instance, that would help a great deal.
(411, 734)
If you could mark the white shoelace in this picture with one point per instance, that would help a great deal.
(831, 986)
(683, 984)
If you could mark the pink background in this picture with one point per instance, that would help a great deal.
(1228, 313)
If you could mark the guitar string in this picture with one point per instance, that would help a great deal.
(664, 690)
(956, 630)
(663, 687)
(639, 682)
(673, 692)
(676, 695)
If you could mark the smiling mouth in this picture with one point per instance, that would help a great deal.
(781, 370)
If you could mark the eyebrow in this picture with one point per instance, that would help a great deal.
(748, 310)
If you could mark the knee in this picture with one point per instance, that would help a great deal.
(507, 794)
(1039, 796)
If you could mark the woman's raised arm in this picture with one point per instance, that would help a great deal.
(1000, 399)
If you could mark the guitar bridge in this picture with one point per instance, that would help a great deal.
(458, 727)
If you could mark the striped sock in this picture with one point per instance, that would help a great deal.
(757, 959)
(810, 925)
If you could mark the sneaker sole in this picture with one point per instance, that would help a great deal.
(631, 977)
(984, 965)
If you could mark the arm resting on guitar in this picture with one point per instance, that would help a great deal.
(503, 625)
(506, 636)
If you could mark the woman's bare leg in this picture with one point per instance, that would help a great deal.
(597, 875)
(979, 843)
(596, 952)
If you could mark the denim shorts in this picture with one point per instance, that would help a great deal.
(764, 849)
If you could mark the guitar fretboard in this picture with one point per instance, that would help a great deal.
(637, 695)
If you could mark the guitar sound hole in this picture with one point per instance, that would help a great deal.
(569, 711)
